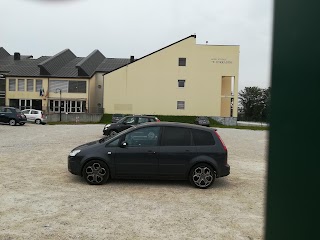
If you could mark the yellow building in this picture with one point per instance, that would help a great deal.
(183, 78)
(63, 82)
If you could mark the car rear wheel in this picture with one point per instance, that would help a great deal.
(12, 122)
(38, 121)
(96, 172)
(202, 175)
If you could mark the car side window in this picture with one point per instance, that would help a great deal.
(152, 120)
(129, 120)
(34, 112)
(142, 120)
(114, 143)
(143, 137)
(202, 138)
(176, 136)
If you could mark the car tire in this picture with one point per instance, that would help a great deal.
(37, 121)
(12, 122)
(113, 133)
(202, 175)
(96, 172)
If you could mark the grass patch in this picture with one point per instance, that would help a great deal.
(106, 118)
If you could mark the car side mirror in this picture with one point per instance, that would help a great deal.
(124, 144)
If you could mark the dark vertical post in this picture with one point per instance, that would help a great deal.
(292, 206)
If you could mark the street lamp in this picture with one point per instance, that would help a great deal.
(58, 89)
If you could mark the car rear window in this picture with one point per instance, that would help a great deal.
(176, 136)
(202, 138)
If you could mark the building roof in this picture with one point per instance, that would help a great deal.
(130, 62)
(64, 64)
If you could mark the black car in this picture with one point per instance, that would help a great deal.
(127, 122)
(12, 116)
(161, 150)
(116, 117)
(202, 120)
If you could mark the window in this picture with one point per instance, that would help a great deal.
(176, 136)
(12, 84)
(38, 85)
(55, 84)
(20, 84)
(181, 83)
(114, 143)
(142, 120)
(143, 137)
(77, 87)
(129, 120)
(180, 104)
(30, 85)
(202, 138)
(182, 61)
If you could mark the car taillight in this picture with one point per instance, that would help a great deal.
(157, 119)
(224, 146)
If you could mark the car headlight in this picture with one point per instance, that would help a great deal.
(74, 152)
(106, 126)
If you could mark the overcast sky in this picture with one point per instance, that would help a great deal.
(122, 28)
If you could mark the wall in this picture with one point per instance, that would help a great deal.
(150, 85)
(74, 117)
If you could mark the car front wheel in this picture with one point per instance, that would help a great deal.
(38, 121)
(96, 172)
(113, 133)
(202, 175)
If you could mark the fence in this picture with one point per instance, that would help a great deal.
(74, 117)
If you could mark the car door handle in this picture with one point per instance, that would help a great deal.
(151, 152)
(109, 153)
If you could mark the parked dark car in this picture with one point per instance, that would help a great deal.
(116, 117)
(160, 150)
(127, 122)
(203, 121)
(12, 116)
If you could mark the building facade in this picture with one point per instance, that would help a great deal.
(60, 83)
(183, 78)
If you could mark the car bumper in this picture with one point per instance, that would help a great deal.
(74, 165)
(225, 171)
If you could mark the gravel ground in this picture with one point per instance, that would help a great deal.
(40, 199)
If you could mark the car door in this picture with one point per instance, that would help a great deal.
(175, 152)
(127, 123)
(34, 114)
(2, 114)
(137, 155)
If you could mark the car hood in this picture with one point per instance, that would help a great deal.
(87, 145)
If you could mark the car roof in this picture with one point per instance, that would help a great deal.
(174, 124)
(140, 115)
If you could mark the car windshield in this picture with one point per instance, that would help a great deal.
(117, 115)
(203, 118)
(18, 110)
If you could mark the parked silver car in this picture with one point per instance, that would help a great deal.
(36, 116)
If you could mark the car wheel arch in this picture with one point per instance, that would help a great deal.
(199, 160)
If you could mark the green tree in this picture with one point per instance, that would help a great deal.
(255, 103)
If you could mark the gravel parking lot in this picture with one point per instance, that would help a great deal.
(40, 199)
